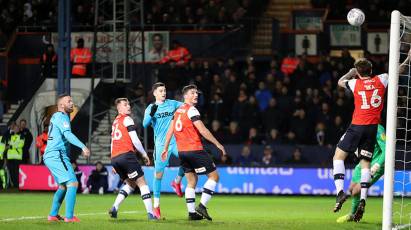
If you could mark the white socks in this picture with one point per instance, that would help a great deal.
(124, 192)
(190, 194)
(146, 196)
(365, 182)
(156, 202)
(339, 172)
(208, 191)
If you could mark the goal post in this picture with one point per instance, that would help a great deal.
(391, 127)
(397, 182)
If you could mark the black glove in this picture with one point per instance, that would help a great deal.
(153, 109)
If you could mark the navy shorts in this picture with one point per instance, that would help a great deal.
(127, 166)
(361, 138)
(198, 162)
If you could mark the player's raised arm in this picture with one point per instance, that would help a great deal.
(129, 123)
(168, 139)
(72, 139)
(148, 114)
(208, 135)
(342, 82)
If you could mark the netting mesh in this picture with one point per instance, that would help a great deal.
(402, 176)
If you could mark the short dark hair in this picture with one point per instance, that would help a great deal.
(158, 35)
(61, 96)
(157, 84)
(363, 66)
(119, 100)
(187, 88)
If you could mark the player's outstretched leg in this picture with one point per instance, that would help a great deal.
(71, 201)
(176, 184)
(122, 195)
(55, 207)
(355, 193)
(190, 195)
(365, 184)
(360, 211)
(339, 174)
(146, 197)
(156, 193)
(208, 191)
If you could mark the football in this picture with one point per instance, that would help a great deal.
(356, 17)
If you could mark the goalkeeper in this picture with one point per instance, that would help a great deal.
(377, 170)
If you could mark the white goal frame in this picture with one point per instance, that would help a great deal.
(391, 128)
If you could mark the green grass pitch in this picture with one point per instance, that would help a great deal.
(29, 211)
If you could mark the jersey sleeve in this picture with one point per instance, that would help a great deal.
(128, 122)
(351, 84)
(177, 104)
(147, 118)
(384, 79)
(193, 114)
(63, 123)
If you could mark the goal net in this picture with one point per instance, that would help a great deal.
(397, 183)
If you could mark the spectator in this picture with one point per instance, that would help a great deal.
(28, 140)
(216, 130)
(225, 160)
(14, 146)
(289, 64)
(3, 180)
(41, 141)
(263, 96)
(274, 137)
(320, 134)
(253, 137)
(80, 57)
(158, 51)
(79, 174)
(216, 108)
(268, 158)
(48, 62)
(246, 159)
(233, 136)
(296, 158)
(335, 131)
(273, 117)
(98, 180)
(178, 55)
(301, 127)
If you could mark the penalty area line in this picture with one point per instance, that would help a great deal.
(45, 217)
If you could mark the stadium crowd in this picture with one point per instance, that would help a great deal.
(259, 103)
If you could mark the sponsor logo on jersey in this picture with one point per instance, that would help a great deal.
(66, 125)
(132, 175)
(366, 153)
(200, 170)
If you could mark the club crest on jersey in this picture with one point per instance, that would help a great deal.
(66, 125)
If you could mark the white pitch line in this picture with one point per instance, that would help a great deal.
(81, 214)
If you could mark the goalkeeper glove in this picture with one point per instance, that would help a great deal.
(375, 167)
(153, 109)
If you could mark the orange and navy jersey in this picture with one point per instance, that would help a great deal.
(368, 99)
(120, 139)
(187, 136)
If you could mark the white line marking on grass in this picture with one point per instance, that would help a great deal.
(81, 214)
